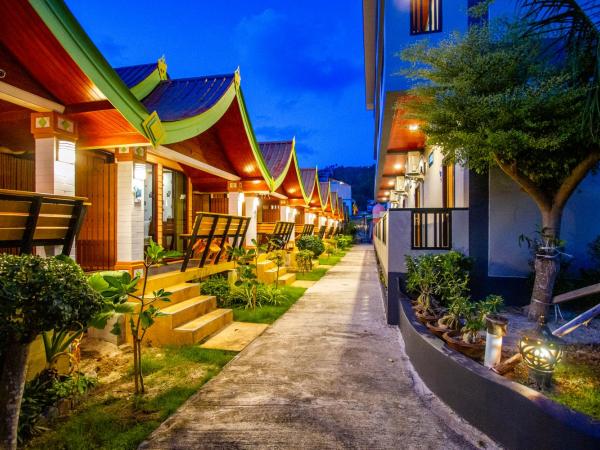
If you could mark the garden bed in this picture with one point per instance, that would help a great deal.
(512, 414)
(110, 416)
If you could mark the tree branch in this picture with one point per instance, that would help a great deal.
(540, 198)
(575, 177)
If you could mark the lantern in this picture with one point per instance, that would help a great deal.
(541, 351)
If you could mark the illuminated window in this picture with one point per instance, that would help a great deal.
(425, 16)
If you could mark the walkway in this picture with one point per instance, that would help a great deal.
(328, 374)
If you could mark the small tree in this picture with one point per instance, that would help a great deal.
(36, 295)
(278, 257)
(142, 311)
(495, 98)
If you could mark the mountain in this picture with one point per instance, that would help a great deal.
(361, 178)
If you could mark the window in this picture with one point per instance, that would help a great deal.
(425, 16)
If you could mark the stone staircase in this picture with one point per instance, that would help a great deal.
(267, 272)
(189, 317)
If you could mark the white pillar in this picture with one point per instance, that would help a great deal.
(252, 203)
(55, 173)
(130, 215)
(236, 203)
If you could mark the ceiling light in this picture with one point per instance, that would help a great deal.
(413, 127)
(397, 166)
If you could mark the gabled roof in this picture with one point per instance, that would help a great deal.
(325, 193)
(277, 155)
(133, 75)
(184, 98)
(308, 180)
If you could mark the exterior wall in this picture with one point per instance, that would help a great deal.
(393, 241)
(512, 213)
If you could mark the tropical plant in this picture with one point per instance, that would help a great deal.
(454, 315)
(304, 260)
(37, 294)
(312, 243)
(421, 279)
(58, 343)
(219, 287)
(142, 310)
(497, 97)
(270, 295)
(278, 257)
(474, 317)
(452, 281)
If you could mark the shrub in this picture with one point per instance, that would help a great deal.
(452, 276)
(219, 287)
(37, 295)
(312, 243)
(304, 260)
(342, 241)
(270, 295)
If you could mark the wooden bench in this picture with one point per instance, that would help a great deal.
(304, 230)
(30, 219)
(322, 231)
(212, 234)
(277, 236)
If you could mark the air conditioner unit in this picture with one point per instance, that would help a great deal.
(400, 184)
(415, 165)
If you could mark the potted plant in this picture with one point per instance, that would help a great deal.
(421, 279)
(470, 340)
(452, 319)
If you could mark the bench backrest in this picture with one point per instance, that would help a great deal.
(280, 236)
(219, 228)
(322, 231)
(307, 230)
(29, 219)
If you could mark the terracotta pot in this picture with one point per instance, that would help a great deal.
(424, 317)
(436, 329)
(455, 342)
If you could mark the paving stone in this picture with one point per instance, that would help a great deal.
(328, 374)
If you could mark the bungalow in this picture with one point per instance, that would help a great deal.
(147, 150)
(433, 207)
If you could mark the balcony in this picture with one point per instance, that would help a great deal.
(414, 231)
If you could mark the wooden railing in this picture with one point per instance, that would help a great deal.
(431, 229)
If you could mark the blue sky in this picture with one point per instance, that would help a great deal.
(301, 61)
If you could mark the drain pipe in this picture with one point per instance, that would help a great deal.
(496, 328)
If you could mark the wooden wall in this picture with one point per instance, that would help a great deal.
(96, 179)
(17, 173)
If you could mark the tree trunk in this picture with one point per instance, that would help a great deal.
(12, 384)
(546, 267)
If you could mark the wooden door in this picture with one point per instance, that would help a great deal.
(448, 186)
(96, 179)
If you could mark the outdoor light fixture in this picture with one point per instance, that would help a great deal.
(397, 166)
(66, 152)
(413, 127)
(541, 351)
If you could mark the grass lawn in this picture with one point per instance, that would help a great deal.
(111, 417)
(314, 275)
(268, 313)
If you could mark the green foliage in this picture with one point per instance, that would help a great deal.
(493, 97)
(118, 288)
(312, 243)
(219, 287)
(278, 257)
(452, 276)
(57, 344)
(421, 279)
(343, 241)
(42, 393)
(271, 295)
(268, 313)
(304, 260)
(41, 294)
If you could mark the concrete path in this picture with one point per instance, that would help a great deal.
(328, 374)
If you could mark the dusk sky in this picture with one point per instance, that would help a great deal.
(301, 62)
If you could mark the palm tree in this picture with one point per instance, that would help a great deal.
(572, 28)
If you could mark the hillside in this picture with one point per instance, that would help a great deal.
(361, 178)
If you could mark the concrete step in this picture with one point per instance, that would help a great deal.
(263, 266)
(179, 293)
(170, 278)
(202, 327)
(287, 279)
(187, 310)
(235, 336)
(270, 275)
